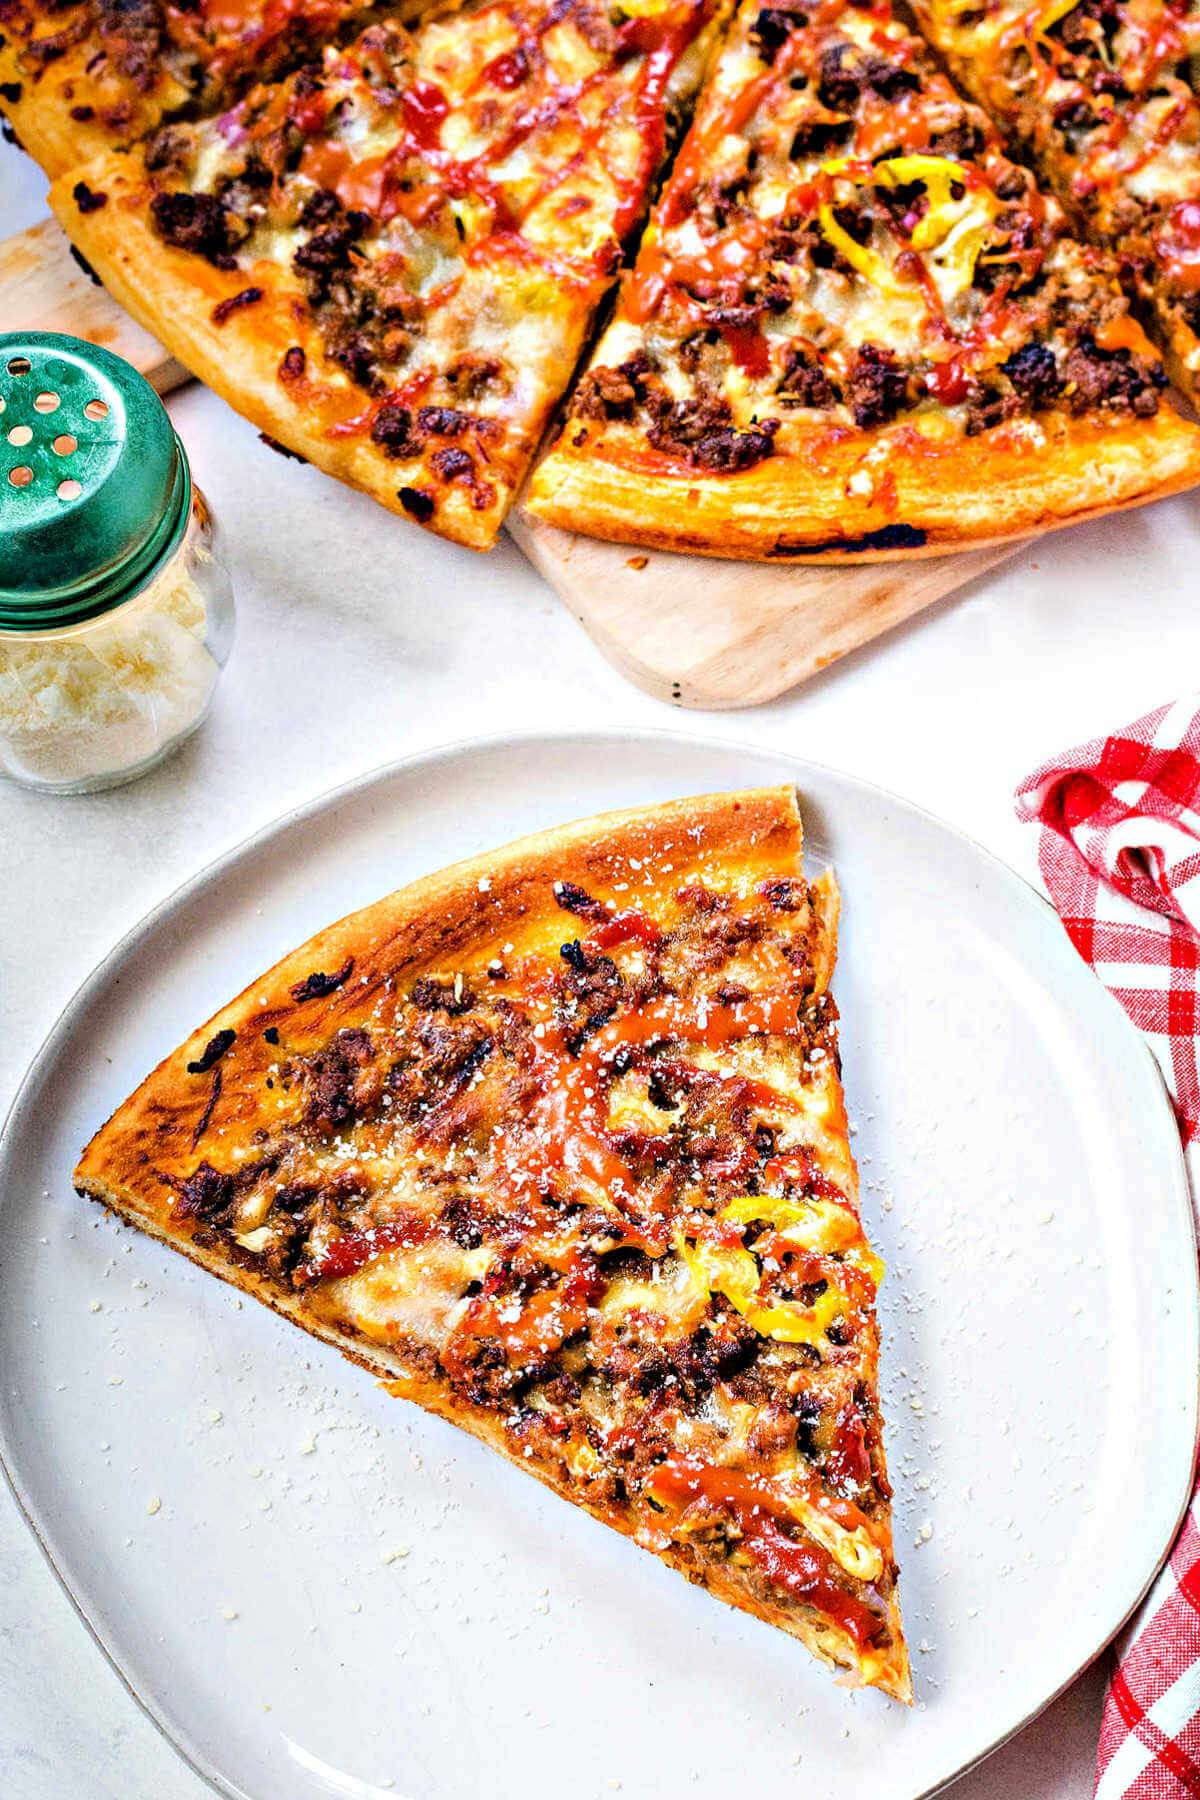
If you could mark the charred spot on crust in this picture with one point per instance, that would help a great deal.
(417, 503)
(78, 257)
(888, 537)
(224, 309)
(87, 199)
(213, 1051)
(280, 449)
(292, 363)
(318, 984)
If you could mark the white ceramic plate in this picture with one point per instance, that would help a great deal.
(316, 1590)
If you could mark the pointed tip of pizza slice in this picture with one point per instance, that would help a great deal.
(856, 329)
(554, 1143)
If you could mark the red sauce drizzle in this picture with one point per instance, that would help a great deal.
(748, 347)
(629, 926)
(1178, 245)
(804, 1569)
(508, 70)
(424, 106)
(947, 382)
(347, 1253)
(565, 1132)
(848, 1460)
(544, 1321)
(662, 47)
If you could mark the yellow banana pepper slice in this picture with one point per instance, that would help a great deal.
(736, 1274)
(953, 230)
(821, 1225)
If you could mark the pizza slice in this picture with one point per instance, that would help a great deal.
(389, 261)
(1102, 96)
(554, 1142)
(88, 76)
(855, 327)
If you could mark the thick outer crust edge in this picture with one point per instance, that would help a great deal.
(440, 916)
(41, 114)
(1006, 483)
(172, 294)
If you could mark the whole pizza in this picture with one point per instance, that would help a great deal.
(759, 281)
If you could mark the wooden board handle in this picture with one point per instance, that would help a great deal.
(44, 287)
(703, 633)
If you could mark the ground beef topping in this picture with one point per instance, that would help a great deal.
(606, 1191)
(200, 223)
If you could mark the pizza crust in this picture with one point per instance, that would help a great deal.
(929, 495)
(41, 114)
(453, 916)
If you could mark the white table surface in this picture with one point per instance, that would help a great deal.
(361, 640)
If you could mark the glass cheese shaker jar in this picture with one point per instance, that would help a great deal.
(116, 610)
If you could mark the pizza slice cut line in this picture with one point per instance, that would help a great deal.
(1101, 96)
(856, 328)
(555, 1144)
(390, 262)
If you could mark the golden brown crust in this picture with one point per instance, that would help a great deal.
(454, 920)
(43, 106)
(444, 917)
(958, 493)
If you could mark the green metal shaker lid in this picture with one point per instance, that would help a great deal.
(94, 483)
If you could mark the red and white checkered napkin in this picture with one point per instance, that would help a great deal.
(1120, 854)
